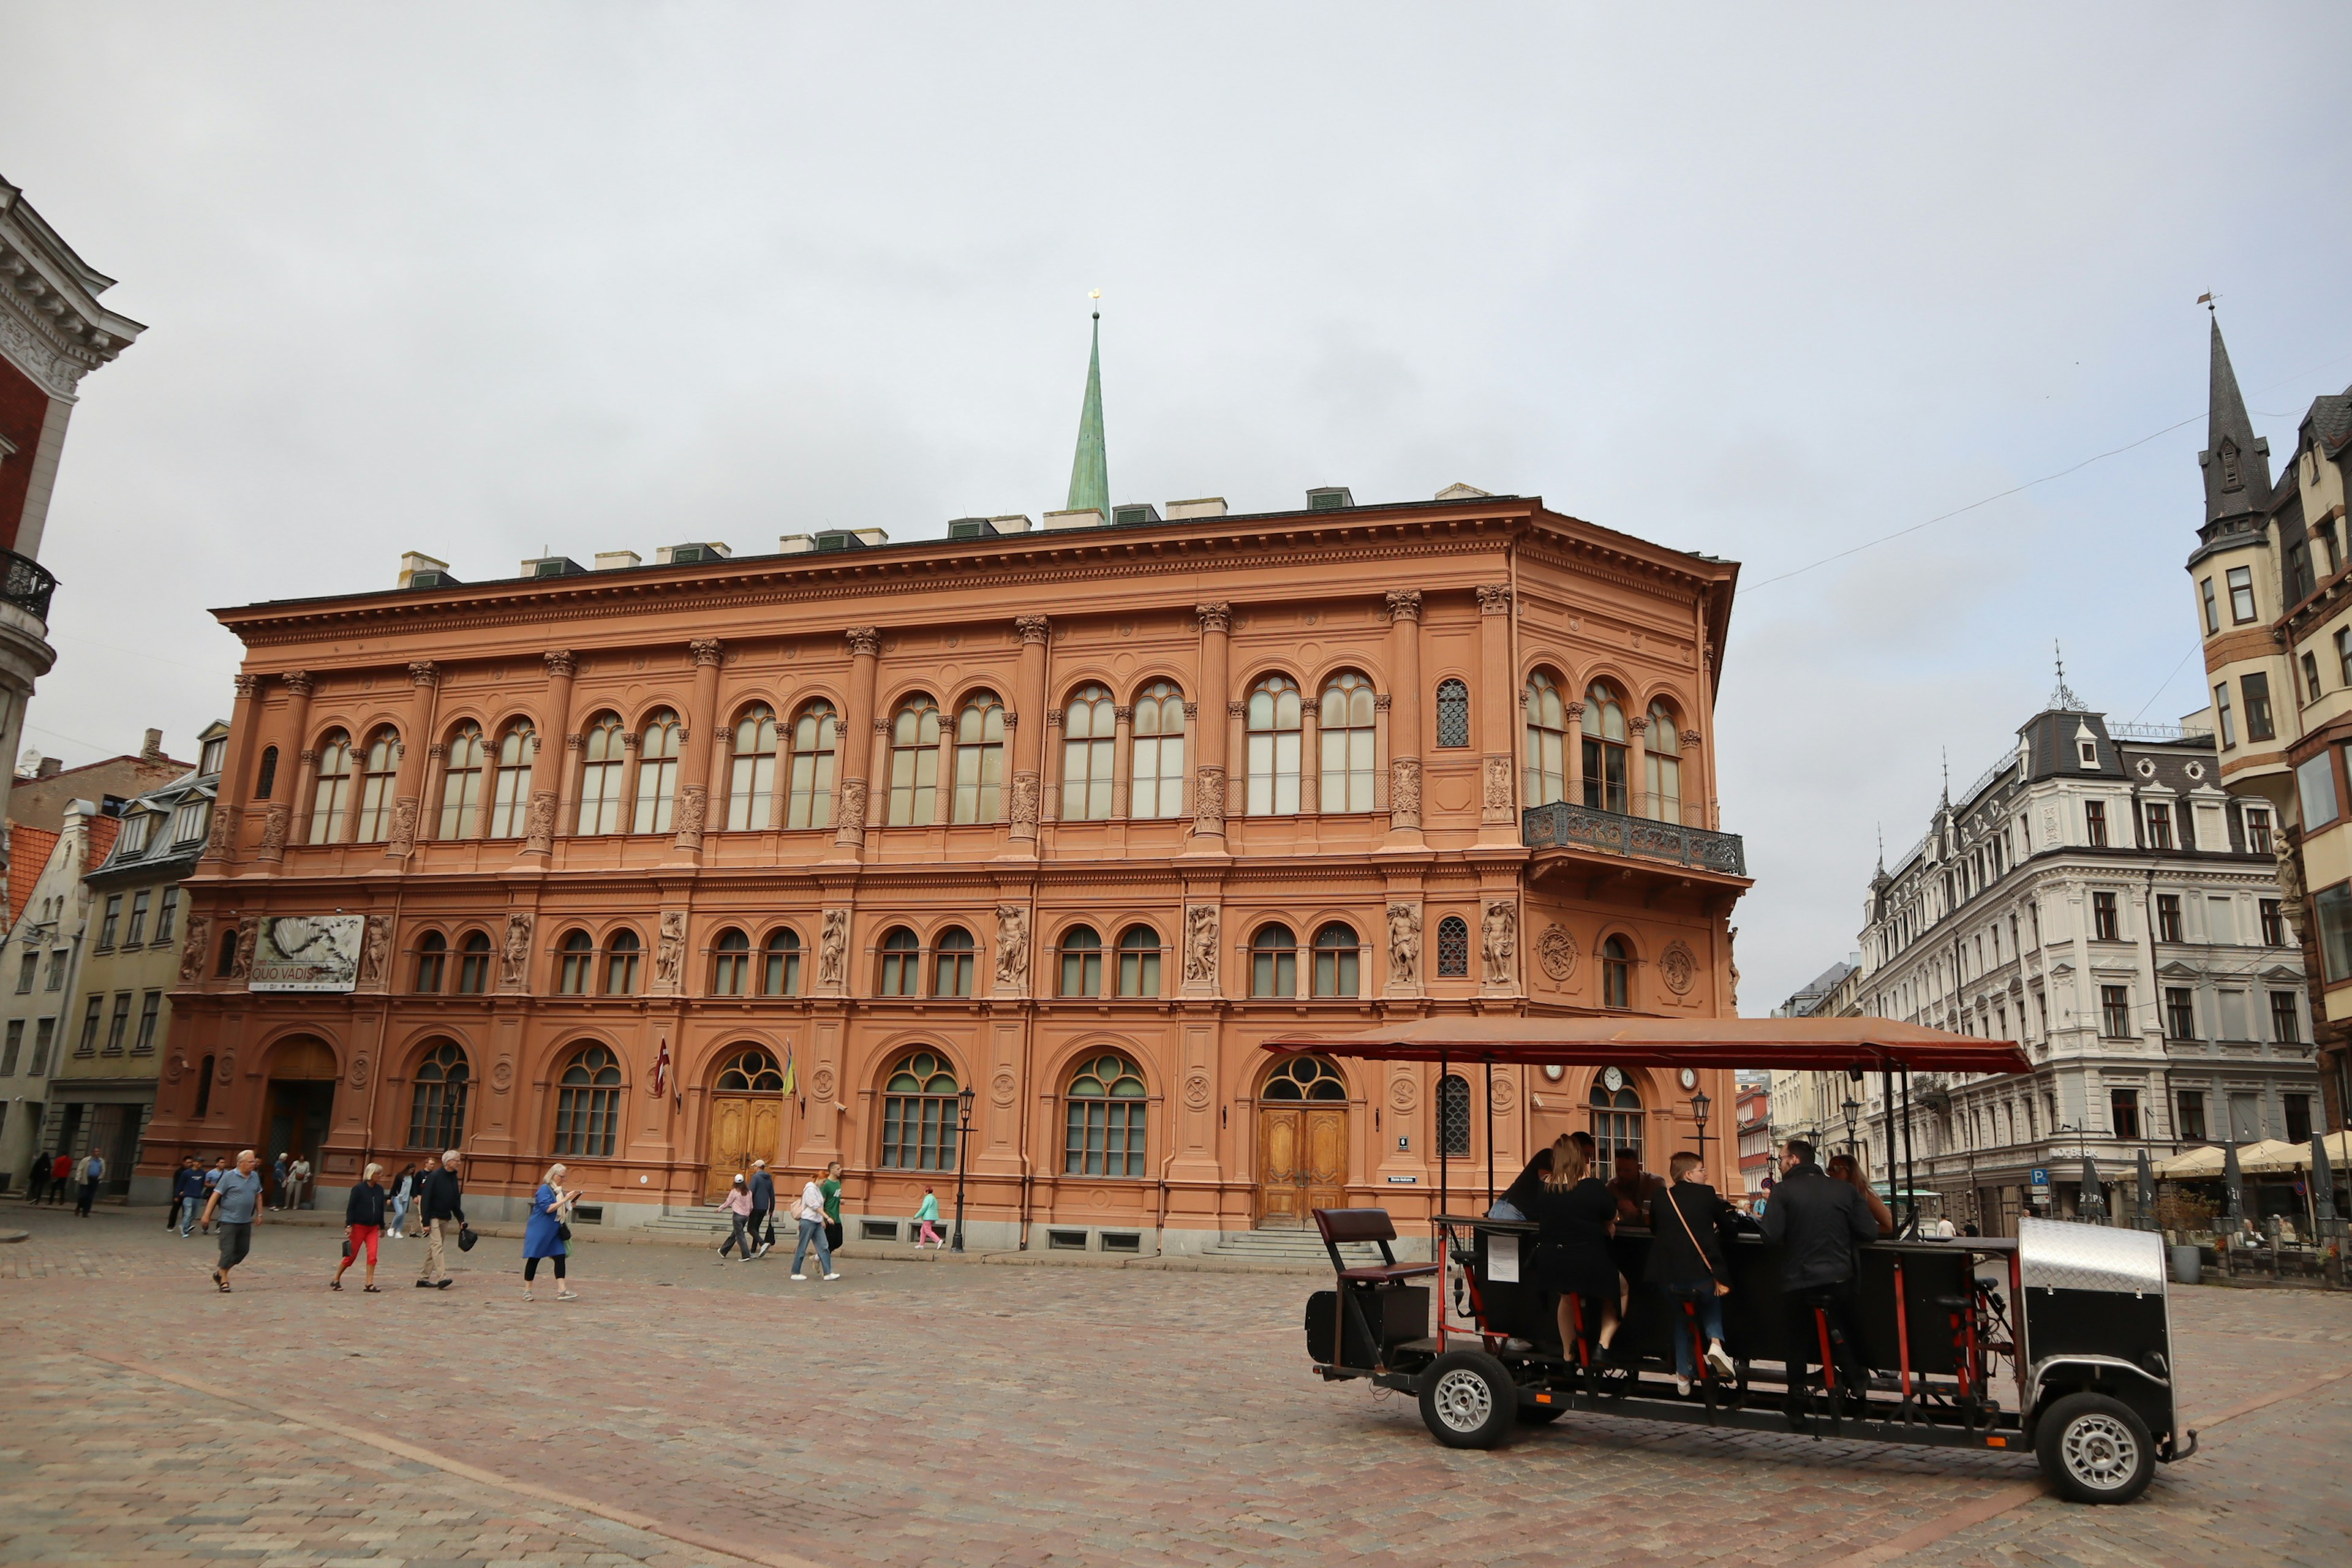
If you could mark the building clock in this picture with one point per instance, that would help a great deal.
(1690, 1078)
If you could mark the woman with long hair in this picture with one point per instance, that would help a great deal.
(1575, 1215)
(543, 1237)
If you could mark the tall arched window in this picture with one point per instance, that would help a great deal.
(751, 778)
(474, 964)
(1453, 948)
(815, 735)
(437, 1104)
(602, 755)
(1305, 1078)
(1082, 962)
(621, 958)
(379, 775)
(1547, 717)
(1604, 748)
(914, 763)
(331, 804)
(902, 963)
(1453, 1114)
(1347, 729)
(1616, 1119)
(461, 783)
(1087, 739)
(577, 962)
(511, 788)
(1272, 717)
(1274, 962)
(1452, 713)
(657, 750)
(432, 960)
(267, 781)
(1336, 958)
(1157, 789)
(1104, 1134)
(780, 964)
(588, 1104)
(750, 1070)
(226, 966)
(204, 1088)
(731, 965)
(919, 1115)
(1616, 974)
(1662, 761)
(1139, 962)
(979, 758)
(953, 969)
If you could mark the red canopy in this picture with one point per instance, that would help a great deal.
(1673, 1042)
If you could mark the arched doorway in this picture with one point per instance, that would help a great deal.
(300, 1104)
(1302, 1142)
(746, 1117)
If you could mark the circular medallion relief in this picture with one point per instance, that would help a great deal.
(178, 1069)
(1556, 952)
(1403, 1094)
(1506, 1093)
(1196, 1091)
(821, 1083)
(358, 1072)
(227, 1067)
(1675, 967)
(1000, 1089)
(502, 1074)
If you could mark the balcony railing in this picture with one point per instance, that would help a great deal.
(28, 586)
(1564, 826)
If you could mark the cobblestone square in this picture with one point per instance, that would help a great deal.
(685, 1412)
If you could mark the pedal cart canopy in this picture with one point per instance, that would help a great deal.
(1884, 1044)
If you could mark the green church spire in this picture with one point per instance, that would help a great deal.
(1091, 471)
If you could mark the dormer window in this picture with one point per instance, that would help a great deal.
(134, 834)
(2090, 750)
(214, 752)
(189, 823)
(2231, 478)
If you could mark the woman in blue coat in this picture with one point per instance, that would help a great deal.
(543, 1235)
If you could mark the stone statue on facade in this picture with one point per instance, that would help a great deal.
(539, 824)
(669, 949)
(1201, 946)
(248, 933)
(832, 947)
(1012, 948)
(515, 956)
(1499, 930)
(192, 953)
(1404, 944)
(373, 946)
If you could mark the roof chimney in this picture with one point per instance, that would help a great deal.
(418, 570)
(153, 752)
(50, 767)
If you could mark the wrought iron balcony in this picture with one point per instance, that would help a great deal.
(1561, 825)
(28, 586)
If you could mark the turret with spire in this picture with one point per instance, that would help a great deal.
(2237, 462)
(1091, 469)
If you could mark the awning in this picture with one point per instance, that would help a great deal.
(1817, 1043)
(2270, 1157)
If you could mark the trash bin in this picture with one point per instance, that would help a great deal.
(2188, 1265)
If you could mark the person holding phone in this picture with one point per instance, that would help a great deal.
(543, 1235)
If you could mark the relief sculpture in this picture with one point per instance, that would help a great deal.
(373, 946)
(1499, 931)
(514, 959)
(1012, 948)
(1404, 944)
(1201, 946)
(832, 945)
(248, 931)
(192, 954)
(670, 952)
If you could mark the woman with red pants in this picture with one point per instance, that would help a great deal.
(364, 1214)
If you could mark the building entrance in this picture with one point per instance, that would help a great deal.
(300, 1104)
(747, 1119)
(1302, 1144)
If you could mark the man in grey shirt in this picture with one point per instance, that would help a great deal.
(235, 1204)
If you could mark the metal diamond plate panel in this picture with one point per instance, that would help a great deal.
(2071, 1257)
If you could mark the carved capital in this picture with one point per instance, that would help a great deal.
(1032, 628)
(1404, 604)
(575, 743)
(865, 642)
(424, 672)
(297, 681)
(629, 741)
(1122, 715)
(1494, 598)
(1381, 701)
(308, 756)
(248, 686)
(1052, 718)
(1639, 723)
(1191, 711)
(1216, 615)
(1690, 737)
(437, 751)
(1234, 710)
(882, 727)
(561, 665)
(1012, 721)
(706, 651)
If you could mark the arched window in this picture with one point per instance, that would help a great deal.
(204, 1088)
(1305, 1078)
(1453, 948)
(461, 783)
(953, 972)
(914, 763)
(602, 755)
(474, 964)
(780, 964)
(979, 758)
(1082, 962)
(1087, 738)
(657, 750)
(436, 1105)
(1662, 761)
(815, 735)
(432, 960)
(1336, 960)
(1139, 962)
(1157, 789)
(1616, 1119)
(1604, 748)
(266, 782)
(1452, 713)
(1616, 974)
(1347, 729)
(578, 961)
(1274, 962)
(902, 963)
(750, 1071)
(330, 802)
(751, 778)
(226, 966)
(1453, 1114)
(731, 965)
(1273, 720)
(379, 776)
(919, 1115)
(621, 956)
(1547, 717)
(510, 789)
(588, 1104)
(1105, 1129)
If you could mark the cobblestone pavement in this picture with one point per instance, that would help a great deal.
(687, 1412)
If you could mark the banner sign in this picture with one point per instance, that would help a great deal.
(307, 952)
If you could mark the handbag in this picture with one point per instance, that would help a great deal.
(1721, 1287)
(467, 1237)
(832, 1234)
(563, 1231)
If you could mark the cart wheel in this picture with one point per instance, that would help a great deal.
(2095, 1448)
(1468, 1400)
(1540, 1415)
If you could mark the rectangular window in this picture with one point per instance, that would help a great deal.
(2167, 917)
(2159, 826)
(2257, 687)
(166, 913)
(2041, 1013)
(56, 979)
(2298, 1118)
(2094, 823)
(26, 971)
(2213, 611)
(2274, 926)
(44, 1032)
(2315, 785)
(2344, 655)
(2192, 1116)
(118, 1024)
(109, 921)
(2286, 1020)
(2115, 1012)
(188, 823)
(2222, 712)
(2310, 677)
(151, 1009)
(2241, 593)
(133, 840)
(137, 932)
(90, 1022)
(2105, 924)
(2234, 1026)
(8, 1051)
(2179, 1013)
(2123, 1104)
(2258, 832)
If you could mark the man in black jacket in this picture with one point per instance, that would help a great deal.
(1818, 1224)
(764, 1207)
(442, 1200)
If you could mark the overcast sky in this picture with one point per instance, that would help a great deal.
(1765, 282)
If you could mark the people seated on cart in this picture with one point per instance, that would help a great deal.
(1847, 1168)
(1688, 1264)
(1633, 1187)
(1575, 1213)
(1518, 1201)
(1820, 1224)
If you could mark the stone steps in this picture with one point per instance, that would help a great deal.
(1286, 1246)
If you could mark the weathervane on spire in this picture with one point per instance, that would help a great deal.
(1090, 469)
(2064, 699)
(2207, 300)
(1096, 295)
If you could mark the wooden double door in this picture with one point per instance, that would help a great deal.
(1302, 1163)
(744, 1127)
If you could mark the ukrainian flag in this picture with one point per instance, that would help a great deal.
(792, 1078)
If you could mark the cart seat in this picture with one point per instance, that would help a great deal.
(1386, 1273)
(1338, 1225)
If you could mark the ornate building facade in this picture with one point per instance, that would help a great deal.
(813, 855)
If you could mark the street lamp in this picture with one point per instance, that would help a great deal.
(1852, 1109)
(963, 1136)
(1699, 1103)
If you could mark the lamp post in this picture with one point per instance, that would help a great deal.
(1852, 1109)
(1699, 1103)
(963, 1136)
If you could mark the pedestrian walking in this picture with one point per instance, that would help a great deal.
(830, 1188)
(402, 1191)
(279, 1170)
(92, 1171)
(811, 1215)
(763, 1208)
(299, 1180)
(442, 1200)
(36, 1181)
(363, 1216)
(738, 1204)
(61, 1170)
(927, 1216)
(187, 1196)
(212, 1180)
(547, 1234)
(235, 1206)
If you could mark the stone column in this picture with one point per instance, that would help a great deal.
(1637, 773)
(237, 779)
(1404, 717)
(1572, 769)
(555, 763)
(942, 798)
(1697, 778)
(856, 740)
(698, 781)
(1122, 762)
(1310, 756)
(1210, 734)
(1028, 738)
(425, 676)
(305, 765)
(1498, 790)
(1055, 768)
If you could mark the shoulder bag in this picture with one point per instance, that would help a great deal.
(1721, 1287)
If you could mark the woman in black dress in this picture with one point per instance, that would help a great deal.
(1575, 1213)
